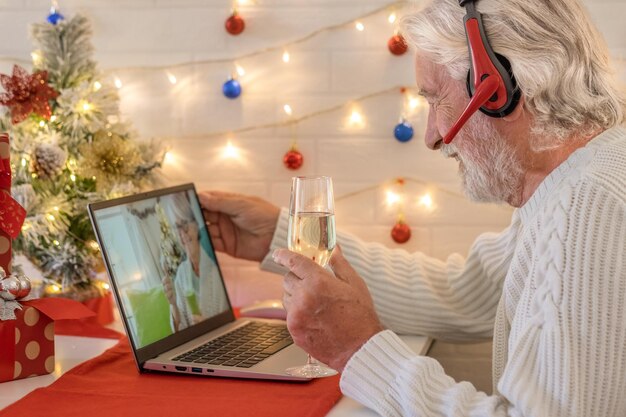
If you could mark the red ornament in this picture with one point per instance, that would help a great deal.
(401, 232)
(293, 159)
(235, 24)
(26, 93)
(397, 45)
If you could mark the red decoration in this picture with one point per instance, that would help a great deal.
(401, 232)
(11, 213)
(27, 342)
(235, 24)
(26, 93)
(397, 45)
(293, 159)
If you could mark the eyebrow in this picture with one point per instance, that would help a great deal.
(426, 94)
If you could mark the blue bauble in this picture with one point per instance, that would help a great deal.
(403, 131)
(231, 88)
(54, 17)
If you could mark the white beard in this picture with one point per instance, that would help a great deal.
(490, 170)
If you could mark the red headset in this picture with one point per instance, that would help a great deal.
(490, 81)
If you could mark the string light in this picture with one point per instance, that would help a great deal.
(94, 245)
(286, 57)
(288, 109)
(97, 86)
(36, 57)
(42, 123)
(50, 217)
(356, 119)
(230, 151)
(73, 178)
(240, 70)
(53, 118)
(118, 83)
(172, 78)
(23, 162)
(360, 26)
(56, 242)
(426, 201)
(392, 198)
(84, 106)
(392, 17)
(168, 157)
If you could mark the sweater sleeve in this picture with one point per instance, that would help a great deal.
(567, 356)
(413, 293)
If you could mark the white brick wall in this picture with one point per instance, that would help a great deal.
(325, 71)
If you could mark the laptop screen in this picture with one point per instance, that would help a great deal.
(162, 262)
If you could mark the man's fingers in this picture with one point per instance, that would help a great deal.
(340, 265)
(220, 201)
(291, 283)
(300, 265)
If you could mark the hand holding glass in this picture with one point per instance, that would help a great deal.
(312, 234)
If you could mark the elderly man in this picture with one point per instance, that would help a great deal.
(550, 289)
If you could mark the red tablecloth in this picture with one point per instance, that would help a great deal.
(109, 385)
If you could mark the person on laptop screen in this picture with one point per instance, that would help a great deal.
(195, 291)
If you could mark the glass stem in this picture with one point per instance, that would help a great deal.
(311, 361)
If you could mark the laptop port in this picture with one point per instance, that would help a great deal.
(181, 368)
(197, 370)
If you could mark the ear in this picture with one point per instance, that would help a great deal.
(517, 113)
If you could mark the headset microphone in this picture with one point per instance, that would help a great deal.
(490, 81)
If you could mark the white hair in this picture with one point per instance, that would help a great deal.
(559, 59)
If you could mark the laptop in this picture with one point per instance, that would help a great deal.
(171, 294)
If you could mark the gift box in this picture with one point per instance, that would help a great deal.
(27, 341)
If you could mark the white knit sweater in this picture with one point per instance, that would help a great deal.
(550, 288)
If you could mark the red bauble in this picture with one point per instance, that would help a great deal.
(401, 232)
(293, 159)
(235, 24)
(26, 94)
(397, 45)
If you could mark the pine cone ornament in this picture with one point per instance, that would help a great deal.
(48, 160)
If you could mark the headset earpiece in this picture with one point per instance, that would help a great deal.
(490, 81)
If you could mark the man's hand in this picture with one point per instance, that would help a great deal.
(329, 316)
(242, 226)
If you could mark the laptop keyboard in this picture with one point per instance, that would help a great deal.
(243, 347)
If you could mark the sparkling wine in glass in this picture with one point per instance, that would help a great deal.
(312, 234)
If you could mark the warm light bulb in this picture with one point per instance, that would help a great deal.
(106, 286)
(240, 70)
(94, 245)
(118, 83)
(356, 118)
(56, 242)
(392, 18)
(414, 102)
(230, 151)
(172, 78)
(50, 217)
(426, 201)
(288, 110)
(168, 157)
(73, 177)
(85, 106)
(36, 58)
(42, 123)
(23, 162)
(54, 287)
(53, 118)
(97, 86)
(286, 57)
(392, 198)
(56, 208)
(360, 26)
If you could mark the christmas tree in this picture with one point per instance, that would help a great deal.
(69, 147)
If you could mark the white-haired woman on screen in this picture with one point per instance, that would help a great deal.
(196, 292)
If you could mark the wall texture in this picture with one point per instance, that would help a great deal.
(333, 68)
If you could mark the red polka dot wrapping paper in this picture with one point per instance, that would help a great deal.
(27, 343)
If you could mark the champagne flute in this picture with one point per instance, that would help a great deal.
(312, 234)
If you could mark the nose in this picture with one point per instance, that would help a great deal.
(432, 137)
